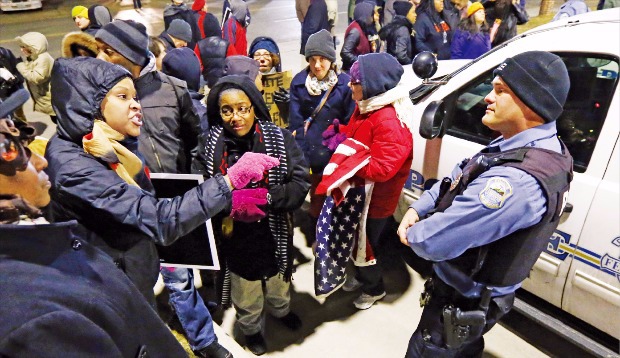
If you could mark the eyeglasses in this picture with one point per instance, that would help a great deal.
(228, 113)
(261, 55)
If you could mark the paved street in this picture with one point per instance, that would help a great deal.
(332, 327)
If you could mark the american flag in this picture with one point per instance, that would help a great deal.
(341, 228)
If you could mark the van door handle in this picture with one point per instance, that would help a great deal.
(568, 208)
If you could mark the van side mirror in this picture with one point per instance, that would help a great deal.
(431, 123)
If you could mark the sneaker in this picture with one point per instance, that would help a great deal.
(351, 284)
(291, 321)
(213, 350)
(256, 344)
(365, 301)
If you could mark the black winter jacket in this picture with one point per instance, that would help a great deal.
(171, 127)
(398, 39)
(212, 55)
(123, 220)
(62, 296)
(430, 36)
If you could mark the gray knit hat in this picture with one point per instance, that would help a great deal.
(241, 66)
(321, 44)
(540, 79)
(180, 29)
(127, 37)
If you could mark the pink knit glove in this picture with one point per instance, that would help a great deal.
(332, 136)
(244, 204)
(250, 168)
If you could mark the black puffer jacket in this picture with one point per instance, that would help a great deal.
(212, 55)
(398, 39)
(123, 220)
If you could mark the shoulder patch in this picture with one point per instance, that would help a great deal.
(495, 193)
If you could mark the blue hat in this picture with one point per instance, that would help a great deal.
(183, 64)
(264, 45)
(378, 73)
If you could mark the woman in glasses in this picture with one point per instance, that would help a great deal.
(256, 246)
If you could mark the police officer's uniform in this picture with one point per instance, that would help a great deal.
(492, 219)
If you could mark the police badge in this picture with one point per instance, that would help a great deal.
(495, 193)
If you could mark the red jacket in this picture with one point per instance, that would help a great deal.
(235, 33)
(391, 151)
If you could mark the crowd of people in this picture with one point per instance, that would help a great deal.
(80, 219)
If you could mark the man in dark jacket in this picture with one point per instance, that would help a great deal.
(314, 21)
(60, 294)
(213, 49)
(171, 125)
(398, 33)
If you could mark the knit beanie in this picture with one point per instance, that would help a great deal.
(263, 45)
(183, 64)
(198, 5)
(379, 73)
(241, 65)
(475, 6)
(540, 79)
(79, 10)
(402, 7)
(181, 30)
(211, 26)
(321, 44)
(127, 37)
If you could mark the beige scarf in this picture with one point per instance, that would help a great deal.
(103, 143)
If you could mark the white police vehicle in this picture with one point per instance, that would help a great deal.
(579, 271)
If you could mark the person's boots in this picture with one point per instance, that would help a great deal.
(256, 344)
(213, 350)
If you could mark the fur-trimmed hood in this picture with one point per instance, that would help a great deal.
(78, 43)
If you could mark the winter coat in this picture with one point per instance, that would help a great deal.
(235, 33)
(212, 56)
(339, 105)
(355, 43)
(60, 295)
(37, 71)
(398, 39)
(466, 45)
(508, 27)
(315, 21)
(121, 219)
(391, 153)
(99, 16)
(431, 36)
(301, 8)
(171, 127)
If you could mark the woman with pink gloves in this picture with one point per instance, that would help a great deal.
(255, 238)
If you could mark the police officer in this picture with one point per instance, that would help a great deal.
(492, 218)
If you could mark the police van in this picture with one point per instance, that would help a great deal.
(579, 272)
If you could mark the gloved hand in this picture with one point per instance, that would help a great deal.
(282, 99)
(332, 136)
(245, 204)
(250, 168)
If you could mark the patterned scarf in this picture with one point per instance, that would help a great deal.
(104, 143)
(280, 224)
(316, 87)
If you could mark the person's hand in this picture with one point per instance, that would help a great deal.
(411, 217)
(332, 136)
(282, 99)
(250, 168)
(245, 204)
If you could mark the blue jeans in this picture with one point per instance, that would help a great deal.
(189, 306)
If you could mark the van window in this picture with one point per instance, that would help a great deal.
(593, 81)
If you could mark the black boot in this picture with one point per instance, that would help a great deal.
(291, 321)
(256, 344)
(213, 350)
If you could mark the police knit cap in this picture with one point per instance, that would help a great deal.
(127, 37)
(181, 30)
(321, 44)
(539, 79)
(79, 10)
